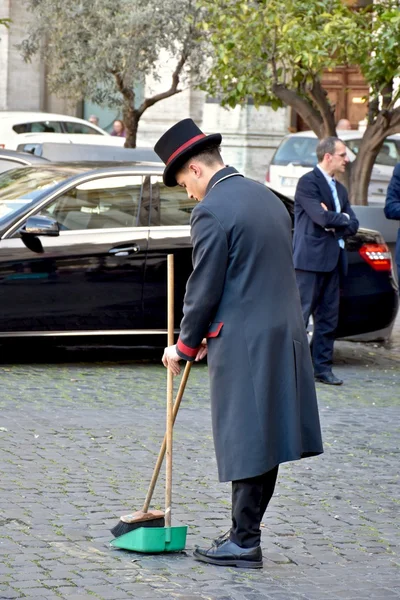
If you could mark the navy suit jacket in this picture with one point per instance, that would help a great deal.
(315, 248)
(392, 206)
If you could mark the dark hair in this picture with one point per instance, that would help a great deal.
(327, 146)
(209, 155)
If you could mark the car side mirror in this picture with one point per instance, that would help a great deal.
(35, 226)
(39, 225)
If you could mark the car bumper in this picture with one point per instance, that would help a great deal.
(371, 316)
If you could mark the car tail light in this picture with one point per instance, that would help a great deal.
(377, 255)
(2, 145)
(267, 176)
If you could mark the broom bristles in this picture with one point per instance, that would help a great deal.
(121, 528)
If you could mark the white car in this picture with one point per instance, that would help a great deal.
(296, 155)
(17, 128)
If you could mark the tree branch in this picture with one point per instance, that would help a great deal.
(127, 92)
(305, 109)
(387, 93)
(273, 60)
(147, 102)
(373, 110)
(386, 123)
(320, 97)
(394, 122)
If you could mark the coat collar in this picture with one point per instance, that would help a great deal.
(221, 174)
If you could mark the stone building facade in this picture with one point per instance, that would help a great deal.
(23, 85)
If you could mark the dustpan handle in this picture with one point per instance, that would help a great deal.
(170, 392)
(161, 454)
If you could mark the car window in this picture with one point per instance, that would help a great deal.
(296, 150)
(354, 145)
(39, 127)
(102, 203)
(397, 144)
(20, 187)
(388, 155)
(71, 127)
(169, 206)
(6, 165)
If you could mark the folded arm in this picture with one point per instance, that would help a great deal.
(352, 225)
(308, 197)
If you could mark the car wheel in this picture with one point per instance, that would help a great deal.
(310, 329)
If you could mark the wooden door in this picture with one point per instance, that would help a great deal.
(347, 90)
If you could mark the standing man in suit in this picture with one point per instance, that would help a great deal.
(392, 208)
(323, 218)
(242, 295)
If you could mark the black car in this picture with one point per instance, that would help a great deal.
(57, 152)
(83, 252)
(10, 159)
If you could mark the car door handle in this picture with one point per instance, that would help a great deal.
(125, 251)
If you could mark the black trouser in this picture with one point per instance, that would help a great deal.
(250, 498)
(320, 294)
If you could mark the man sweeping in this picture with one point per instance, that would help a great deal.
(242, 296)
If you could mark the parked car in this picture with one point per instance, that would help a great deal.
(83, 252)
(10, 159)
(86, 152)
(296, 155)
(18, 127)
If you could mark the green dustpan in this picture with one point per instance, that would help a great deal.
(152, 539)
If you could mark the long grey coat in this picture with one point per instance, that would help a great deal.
(242, 294)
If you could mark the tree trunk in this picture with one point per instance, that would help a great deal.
(130, 115)
(320, 98)
(302, 106)
(316, 110)
(361, 169)
(131, 121)
(360, 175)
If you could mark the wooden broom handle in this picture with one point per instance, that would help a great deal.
(161, 454)
(170, 392)
(170, 298)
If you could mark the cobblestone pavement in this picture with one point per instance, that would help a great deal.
(78, 441)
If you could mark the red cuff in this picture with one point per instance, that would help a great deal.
(192, 352)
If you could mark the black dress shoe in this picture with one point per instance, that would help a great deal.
(328, 378)
(229, 554)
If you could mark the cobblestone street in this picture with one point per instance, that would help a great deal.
(78, 442)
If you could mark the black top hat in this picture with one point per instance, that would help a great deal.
(179, 143)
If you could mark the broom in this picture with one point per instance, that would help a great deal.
(144, 517)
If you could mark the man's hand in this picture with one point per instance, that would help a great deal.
(202, 352)
(324, 206)
(171, 359)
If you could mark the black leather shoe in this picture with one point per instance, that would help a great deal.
(328, 378)
(229, 554)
